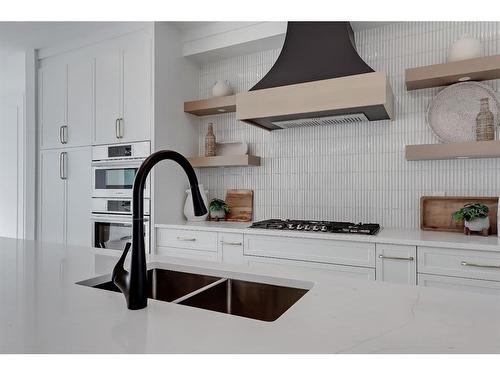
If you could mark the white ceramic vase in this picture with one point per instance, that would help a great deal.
(221, 88)
(219, 214)
(188, 205)
(465, 48)
(478, 224)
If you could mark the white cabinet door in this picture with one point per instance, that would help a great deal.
(78, 226)
(108, 97)
(52, 104)
(137, 88)
(52, 196)
(396, 264)
(231, 247)
(80, 103)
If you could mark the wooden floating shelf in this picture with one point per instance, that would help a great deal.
(479, 69)
(465, 150)
(212, 106)
(225, 161)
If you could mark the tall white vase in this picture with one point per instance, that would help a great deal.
(188, 205)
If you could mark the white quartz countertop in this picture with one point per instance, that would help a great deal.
(43, 310)
(385, 235)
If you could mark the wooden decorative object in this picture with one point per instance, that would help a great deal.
(210, 141)
(478, 69)
(435, 212)
(225, 161)
(213, 106)
(462, 150)
(485, 129)
(241, 204)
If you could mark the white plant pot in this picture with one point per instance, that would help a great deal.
(479, 224)
(188, 205)
(219, 214)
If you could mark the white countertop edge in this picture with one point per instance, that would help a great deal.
(393, 236)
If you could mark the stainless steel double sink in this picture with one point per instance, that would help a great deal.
(250, 299)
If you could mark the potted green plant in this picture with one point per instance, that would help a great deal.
(474, 215)
(218, 209)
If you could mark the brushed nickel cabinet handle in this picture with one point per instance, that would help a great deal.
(120, 127)
(463, 263)
(63, 134)
(231, 243)
(410, 259)
(62, 166)
(117, 128)
(186, 238)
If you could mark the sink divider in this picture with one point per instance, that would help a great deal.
(195, 292)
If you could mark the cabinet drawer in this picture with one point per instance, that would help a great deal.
(396, 264)
(187, 239)
(312, 250)
(334, 269)
(231, 247)
(460, 263)
(460, 284)
(187, 253)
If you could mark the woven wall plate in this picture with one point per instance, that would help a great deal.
(452, 113)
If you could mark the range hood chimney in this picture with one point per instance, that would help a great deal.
(318, 78)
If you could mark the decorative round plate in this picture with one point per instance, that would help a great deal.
(452, 113)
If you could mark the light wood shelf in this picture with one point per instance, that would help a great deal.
(478, 69)
(225, 161)
(464, 150)
(212, 106)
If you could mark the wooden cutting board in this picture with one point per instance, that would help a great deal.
(435, 212)
(241, 203)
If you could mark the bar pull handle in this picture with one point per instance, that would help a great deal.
(231, 243)
(186, 238)
(63, 168)
(409, 259)
(463, 263)
(63, 134)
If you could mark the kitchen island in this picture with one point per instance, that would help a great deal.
(44, 310)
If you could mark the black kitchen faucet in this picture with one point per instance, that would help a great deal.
(134, 284)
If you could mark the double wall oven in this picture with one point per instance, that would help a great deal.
(113, 172)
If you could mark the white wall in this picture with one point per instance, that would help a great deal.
(12, 86)
(354, 172)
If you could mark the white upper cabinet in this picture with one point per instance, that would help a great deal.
(137, 90)
(52, 105)
(66, 104)
(123, 90)
(108, 96)
(80, 103)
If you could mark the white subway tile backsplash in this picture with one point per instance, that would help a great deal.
(354, 172)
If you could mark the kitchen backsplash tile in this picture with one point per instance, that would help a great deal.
(354, 172)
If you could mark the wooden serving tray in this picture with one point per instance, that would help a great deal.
(435, 212)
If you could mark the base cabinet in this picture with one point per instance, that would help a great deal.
(396, 263)
(459, 284)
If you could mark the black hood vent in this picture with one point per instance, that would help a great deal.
(314, 51)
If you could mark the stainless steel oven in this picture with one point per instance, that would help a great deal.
(114, 168)
(114, 231)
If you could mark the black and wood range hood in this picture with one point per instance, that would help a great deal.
(318, 78)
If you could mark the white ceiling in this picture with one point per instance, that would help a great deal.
(25, 35)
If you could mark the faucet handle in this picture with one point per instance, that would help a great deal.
(119, 274)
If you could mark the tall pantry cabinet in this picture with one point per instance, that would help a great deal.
(98, 94)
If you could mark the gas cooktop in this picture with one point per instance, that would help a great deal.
(317, 226)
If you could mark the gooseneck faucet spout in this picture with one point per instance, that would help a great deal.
(133, 284)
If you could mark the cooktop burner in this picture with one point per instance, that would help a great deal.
(317, 226)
